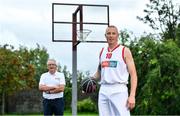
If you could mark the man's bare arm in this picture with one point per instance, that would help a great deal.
(97, 75)
(133, 81)
(58, 89)
(45, 88)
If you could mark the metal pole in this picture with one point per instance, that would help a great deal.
(74, 57)
(74, 68)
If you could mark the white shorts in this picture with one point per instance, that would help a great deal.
(113, 100)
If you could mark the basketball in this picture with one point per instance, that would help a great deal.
(88, 85)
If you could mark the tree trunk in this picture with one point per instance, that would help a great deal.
(3, 103)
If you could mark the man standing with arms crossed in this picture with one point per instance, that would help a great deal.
(115, 65)
(52, 83)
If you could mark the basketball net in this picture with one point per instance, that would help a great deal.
(82, 34)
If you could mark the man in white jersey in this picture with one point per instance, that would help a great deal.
(115, 65)
(52, 84)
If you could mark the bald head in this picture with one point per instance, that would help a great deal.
(110, 27)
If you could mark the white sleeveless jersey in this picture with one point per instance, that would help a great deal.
(113, 67)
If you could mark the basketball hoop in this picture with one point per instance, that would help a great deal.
(82, 34)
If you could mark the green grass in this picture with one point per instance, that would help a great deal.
(66, 113)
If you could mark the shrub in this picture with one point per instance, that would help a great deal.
(86, 105)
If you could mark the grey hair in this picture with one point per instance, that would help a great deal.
(52, 60)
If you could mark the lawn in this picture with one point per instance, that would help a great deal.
(66, 113)
(80, 114)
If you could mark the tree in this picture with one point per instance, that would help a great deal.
(162, 15)
(15, 73)
(158, 69)
(178, 35)
(20, 69)
(37, 57)
(125, 37)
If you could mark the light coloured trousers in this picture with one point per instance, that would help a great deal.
(113, 100)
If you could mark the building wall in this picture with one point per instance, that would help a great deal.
(25, 102)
